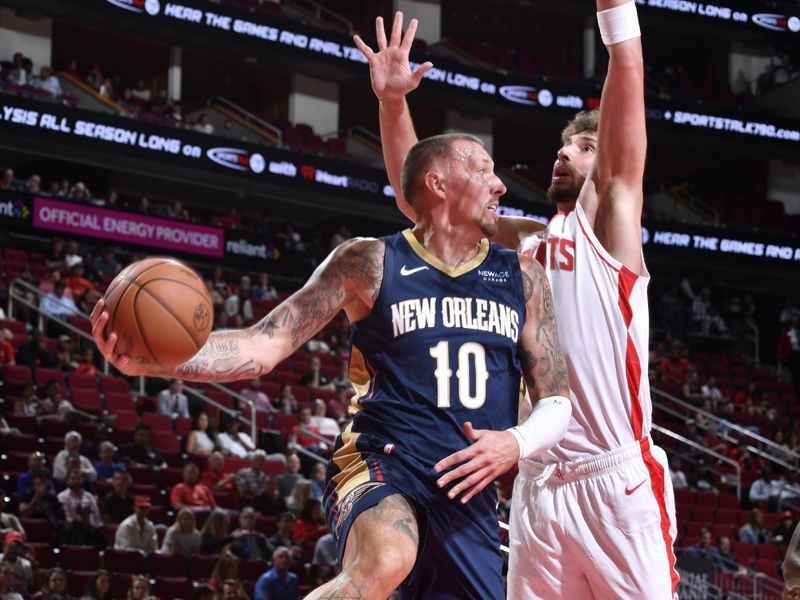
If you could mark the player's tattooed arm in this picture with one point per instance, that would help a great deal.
(349, 278)
(543, 364)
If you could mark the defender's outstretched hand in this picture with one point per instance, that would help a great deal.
(492, 454)
(389, 68)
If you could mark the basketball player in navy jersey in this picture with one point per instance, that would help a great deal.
(594, 516)
(444, 323)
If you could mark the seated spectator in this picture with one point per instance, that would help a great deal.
(8, 521)
(250, 544)
(18, 557)
(85, 363)
(214, 535)
(74, 462)
(253, 393)
(105, 263)
(318, 472)
(56, 304)
(310, 525)
(326, 558)
(204, 592)
(704, 547)
(314, 378)
(140, 588)
(203, 125)
(34, 352)
(39, 502)
(25, 480)
(279, 581)
(48, 82)
(713, 441)
(317, 345)
(233, 442)
(81, 531)
(6, 349)
(784, 529)
(301, 434)
(283, 536)
(299, 496)
(106, 466)
(191, 493)
(754, 531)
(72, 445)
(286, 401)
(140, 451)
(198, 441)
(702, 478)
(324, 424)
(117, 505)
(789, 490)
(28, 404)
(137, 531)
(182, 537)
(226, 569)
(250, 480)
(674, 368)
(710, 390)
(270, 503)
(75, 496)
(727, 561)
(232, 589)
(98, 587)
(55, 586)
(238, 309)
(263, 290)
(677, 475)
(214, 477)
(343, 378)
(762, 489)
(172, 401)
(18, 75)
(287, 481)
(7, 583)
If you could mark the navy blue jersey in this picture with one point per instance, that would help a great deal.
(438, 348)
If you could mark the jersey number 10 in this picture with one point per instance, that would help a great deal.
(443, 373)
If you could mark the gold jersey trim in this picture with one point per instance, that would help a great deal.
(428, 257)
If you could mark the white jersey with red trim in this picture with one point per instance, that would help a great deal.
(602, 319)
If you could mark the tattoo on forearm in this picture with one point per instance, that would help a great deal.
(547, 366)
(220, 358)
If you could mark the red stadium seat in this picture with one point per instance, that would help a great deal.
(43, 376)
(173, 587)
(79, 558)
(82, 380)
(116, 385)
(168, 565)
(124, 561)
(76, 581)
(38, 530)
(119, 402)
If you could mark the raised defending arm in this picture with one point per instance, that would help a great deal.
(392, 80)
(622, 138)
(349, 279)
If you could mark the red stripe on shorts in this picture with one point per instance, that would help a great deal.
(656, 472)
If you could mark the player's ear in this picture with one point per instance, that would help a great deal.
(434, 181)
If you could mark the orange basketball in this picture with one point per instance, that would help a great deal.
(160, 310)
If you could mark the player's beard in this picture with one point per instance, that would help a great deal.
(566, 193)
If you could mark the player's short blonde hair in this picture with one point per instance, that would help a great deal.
(422, 157)
(584, 121)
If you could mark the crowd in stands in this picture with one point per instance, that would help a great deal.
(239, 515)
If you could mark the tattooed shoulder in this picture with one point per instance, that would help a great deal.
(362, 259)
(533, 275)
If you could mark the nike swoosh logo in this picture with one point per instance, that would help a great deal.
(629, 491)
(406, 272)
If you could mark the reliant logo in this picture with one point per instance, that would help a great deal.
(152, 7)
(777, 22)
(15, 210)
(244, 248)
(494, 276)
(236, 158)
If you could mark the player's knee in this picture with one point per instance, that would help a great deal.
(392, 564)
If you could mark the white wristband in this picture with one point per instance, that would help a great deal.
(544, 427)
(619, 24)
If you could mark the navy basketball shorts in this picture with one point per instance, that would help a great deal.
(459, 549)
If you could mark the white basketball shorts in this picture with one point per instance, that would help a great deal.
(600, 528)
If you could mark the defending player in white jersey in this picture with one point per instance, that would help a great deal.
(594, 517)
